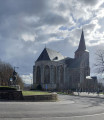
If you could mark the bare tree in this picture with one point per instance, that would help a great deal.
(20, 82)
(99, 65)
(6, 72)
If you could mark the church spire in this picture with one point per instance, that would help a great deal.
(82, 46)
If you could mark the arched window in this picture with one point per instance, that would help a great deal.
(38, 75)
(46, 74)
(54, 70)
(61, 75)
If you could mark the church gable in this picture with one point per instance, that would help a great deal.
(50, 55)
(43, 56)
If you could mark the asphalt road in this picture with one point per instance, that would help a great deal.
(67, 108)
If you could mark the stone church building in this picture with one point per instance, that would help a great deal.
(53, 71)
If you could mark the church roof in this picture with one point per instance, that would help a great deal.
(73, 63)
(69, 61)
(82, 46)
(76, 63)
(50, 55)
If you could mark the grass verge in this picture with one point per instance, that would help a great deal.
(65, 93)
(35, 93)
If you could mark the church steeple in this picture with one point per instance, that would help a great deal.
(82, 46)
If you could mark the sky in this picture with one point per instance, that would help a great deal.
(27, 26)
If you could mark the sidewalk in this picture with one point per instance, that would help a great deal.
(86, 94)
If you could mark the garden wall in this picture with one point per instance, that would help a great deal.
(17, 96)
(50, 97)
(11, 95)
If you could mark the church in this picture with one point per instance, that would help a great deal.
(53, 71)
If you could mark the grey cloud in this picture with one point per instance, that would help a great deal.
(62, 7)
(45, 36)
(89, 2)
(89, 26)
(54, 19)
(101, 23)
(11, 7)
(93, 41)
(18, 53)
(13, 14)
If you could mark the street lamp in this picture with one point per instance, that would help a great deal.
(15, 67)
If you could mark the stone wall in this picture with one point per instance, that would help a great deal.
(11, 95)
(17, 96)
(50, 97)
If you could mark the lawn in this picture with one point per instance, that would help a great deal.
(35, 93)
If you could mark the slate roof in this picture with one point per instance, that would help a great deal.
(50, 55)
(69, 61)
(73, 63)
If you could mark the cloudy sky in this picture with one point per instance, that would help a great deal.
(27, 25)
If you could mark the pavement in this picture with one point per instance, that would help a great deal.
(67, 108)
(89, 94)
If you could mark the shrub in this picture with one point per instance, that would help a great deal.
(39, 87)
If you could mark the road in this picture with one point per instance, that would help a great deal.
(67, 108)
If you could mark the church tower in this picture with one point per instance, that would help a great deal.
(83, 55)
